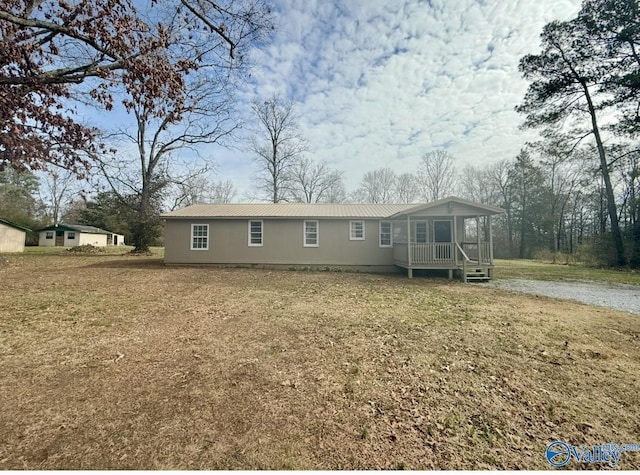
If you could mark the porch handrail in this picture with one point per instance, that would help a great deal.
(462, 252)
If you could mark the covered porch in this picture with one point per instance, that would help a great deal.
(450, 234)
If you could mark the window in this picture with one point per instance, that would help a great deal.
(71, 235)
(255, 233)
(311, 234)
(49, 235)
(386, 237)
(199, 237)
(421, 231)
(356, 230)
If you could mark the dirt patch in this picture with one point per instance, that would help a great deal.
(105, 364)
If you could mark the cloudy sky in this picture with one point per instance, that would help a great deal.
(379, 83)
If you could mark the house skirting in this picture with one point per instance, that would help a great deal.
(484, 271)
(373, 269)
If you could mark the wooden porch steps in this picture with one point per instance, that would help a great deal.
(476, 274)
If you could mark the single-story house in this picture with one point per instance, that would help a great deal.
(451, 234)
(77, 235)
(12, 236)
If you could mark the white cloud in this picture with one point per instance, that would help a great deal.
(381, 83)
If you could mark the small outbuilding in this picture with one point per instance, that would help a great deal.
(70, 235)
(12, 236)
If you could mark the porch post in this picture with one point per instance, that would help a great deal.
(479, 235)
(490, 218)
(409, 240)
(455, 240)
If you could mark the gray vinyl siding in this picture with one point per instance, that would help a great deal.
(283, 241)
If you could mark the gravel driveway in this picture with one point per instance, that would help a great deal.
(620, 297)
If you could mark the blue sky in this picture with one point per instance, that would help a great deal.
(379, 83)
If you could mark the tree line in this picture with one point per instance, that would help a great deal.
(554, 201)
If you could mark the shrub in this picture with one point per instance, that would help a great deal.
(86, 249)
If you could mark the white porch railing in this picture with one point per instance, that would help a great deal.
(442, 253)
(482, 257)
(432, 253)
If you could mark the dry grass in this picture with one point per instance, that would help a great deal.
(117, 362)
(537, 270)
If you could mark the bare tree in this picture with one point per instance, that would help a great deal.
(277, 149)
(199, 188)
(478, 184)
(223, 192)
(563, 173)
(49, 47)
(498, 175)
(437, 175)
(201, 111)
(407, 188)
(193, 187)
(312, 181)
(337, 192)
(377, 186)
(204, 116)
(471, 184)
(56, 190)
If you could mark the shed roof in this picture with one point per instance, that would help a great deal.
(14, 225)
(289, 210)
(80, 228)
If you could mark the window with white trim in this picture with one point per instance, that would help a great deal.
(71, 235)
(49, 235)
(255, 233)
(311, 234)
(356, 230)
(386, 234)
(199, 237)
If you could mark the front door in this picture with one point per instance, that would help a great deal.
(59, 238)
(442, 234)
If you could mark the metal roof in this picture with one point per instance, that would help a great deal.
(289, 210)
(328, 210)
(486, 209)
(81, 228)
(14, 225)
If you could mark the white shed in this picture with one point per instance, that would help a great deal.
(70, 235)
(12, 236)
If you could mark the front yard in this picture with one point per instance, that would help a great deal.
(118, 362)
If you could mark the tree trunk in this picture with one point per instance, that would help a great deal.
(510, 232)
(144, 225)
(635, 243)
(523, 225)
(604, 168)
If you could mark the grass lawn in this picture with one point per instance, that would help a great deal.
(108, 250)
(118, 362)
(530, 269)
